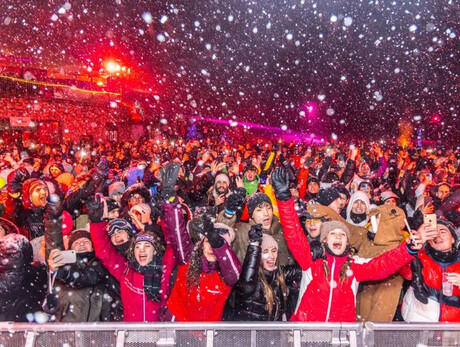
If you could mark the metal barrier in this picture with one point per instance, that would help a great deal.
(242, 334)
(411, 334)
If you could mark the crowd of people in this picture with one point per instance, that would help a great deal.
(211, 230)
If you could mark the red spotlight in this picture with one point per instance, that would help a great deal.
(436, 118)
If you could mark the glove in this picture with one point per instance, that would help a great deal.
(51, 303)
(211, 233)
(54, 209)
(168, 180)
(15, 180)
(235, 202)
(316, 250)
(418, 283)
(255, 233)
(103, 167)
(95, 209)
(280, 183)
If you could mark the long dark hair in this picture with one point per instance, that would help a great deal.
(269, 295)
(194, 270)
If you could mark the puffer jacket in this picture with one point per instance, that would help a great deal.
(432, 275)
(330, 299)
(84, 294)
(136, 305)
(250, 300)
(206, 301)
(22, 284)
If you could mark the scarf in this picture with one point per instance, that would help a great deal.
(441, 257)
(152, 276)
(357, 218)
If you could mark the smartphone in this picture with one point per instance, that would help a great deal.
(430, 219)
(68, 257)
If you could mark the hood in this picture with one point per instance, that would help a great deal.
(359, 195)
(26, 192)
(389, 232)
(15, 252)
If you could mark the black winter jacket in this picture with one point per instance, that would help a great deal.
(249, 295)
(22, 284)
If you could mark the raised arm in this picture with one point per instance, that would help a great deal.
(295, 237)
(174, 221)
(113, 261)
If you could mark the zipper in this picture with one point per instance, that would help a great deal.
(330, 291)
(143, 302)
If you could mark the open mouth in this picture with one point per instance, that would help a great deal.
(266, 221)
(337, 245)
(142, 257)
(270, 263)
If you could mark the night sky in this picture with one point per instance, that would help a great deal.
(342, 67)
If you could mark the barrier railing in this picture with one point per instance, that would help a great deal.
(240, 334)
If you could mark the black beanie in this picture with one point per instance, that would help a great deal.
(326, 196)
(256, 200)
(78, 234)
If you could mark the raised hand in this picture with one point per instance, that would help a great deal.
(255, 233)
(168, 180)
(280, 183)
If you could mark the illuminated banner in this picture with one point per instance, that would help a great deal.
(20, 122)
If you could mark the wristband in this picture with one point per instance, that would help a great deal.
(230, 213)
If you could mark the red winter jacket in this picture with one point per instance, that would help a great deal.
(432, 275)
(206, 301)
(329, 299)
(136, 306)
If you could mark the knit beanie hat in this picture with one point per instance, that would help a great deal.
(268, 242)
(256, 200)
(222, 178)
(119, 224)
(326, 227)
(145, 236)
(449, 226)
(78, 234)
(326, 196)
(116, 187)
(111, 205)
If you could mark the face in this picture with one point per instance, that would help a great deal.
(208, 252)
(443, 241)
(269, 257)
(39, 196)
(136, 199)
(442, 192)
(55, 172)
(365, 168)
(143, 252)
(343, 201)
(250, 175)
(391, 201)
(335, 205)
(119, 237)
(313, 226)
(2, 232)
(222, 187)
(337, 241)
(313, 187)
(82, 245)
(114, 214)
(294, 193)
(263, 214)
(359, 207)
